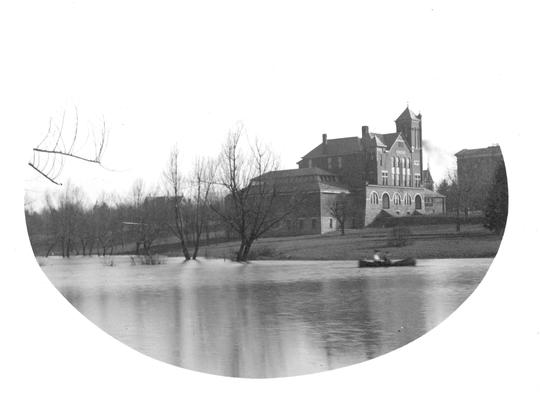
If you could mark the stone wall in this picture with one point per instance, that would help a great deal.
(398, 203)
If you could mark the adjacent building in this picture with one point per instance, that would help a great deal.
(476, 170)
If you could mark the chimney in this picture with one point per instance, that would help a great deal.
(365, 132)
(324, 138)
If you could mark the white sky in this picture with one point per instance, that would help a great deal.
(163, 72)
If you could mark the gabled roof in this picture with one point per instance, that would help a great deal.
(336, 147)
(388, 139)
(407, 115)
(426, 175)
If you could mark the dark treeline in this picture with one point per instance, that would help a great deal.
(67, 225)
(218, 199)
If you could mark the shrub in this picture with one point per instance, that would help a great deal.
(108, 261)
(262, 253)
(148, 259)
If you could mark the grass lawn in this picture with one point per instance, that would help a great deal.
(428, 241)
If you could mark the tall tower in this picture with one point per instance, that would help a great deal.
(410, 126)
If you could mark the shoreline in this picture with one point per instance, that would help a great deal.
(423, 242)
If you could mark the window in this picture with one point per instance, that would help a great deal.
(397, 199)
(417, 202)
(380, 161)
(331, 223)
(408, 200)
(385, 201)
(339, 162)
(384, 177)
(416, 180)
(374, 198)
(329, 162)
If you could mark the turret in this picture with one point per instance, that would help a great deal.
(410, 125)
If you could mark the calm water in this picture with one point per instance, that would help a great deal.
(268, 318)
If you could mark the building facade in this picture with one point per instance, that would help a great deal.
(476, 170)
(379, 173)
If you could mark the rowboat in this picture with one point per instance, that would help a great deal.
(405, 262)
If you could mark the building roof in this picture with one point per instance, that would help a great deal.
(353, 144)
(431, 193)
(387, 139)
(304, 180)
(484, 151)
(287, 173)
(336, 147)
(407, 115)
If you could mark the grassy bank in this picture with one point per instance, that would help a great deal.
(433, 241)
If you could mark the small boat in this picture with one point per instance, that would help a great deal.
(405, 262)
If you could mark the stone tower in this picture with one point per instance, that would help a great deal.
(410, 126)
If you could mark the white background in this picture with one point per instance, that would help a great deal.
(289, 71)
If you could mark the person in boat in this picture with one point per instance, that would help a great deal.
(377, 257)
(385, 257)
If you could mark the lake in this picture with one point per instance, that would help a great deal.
(266, 318)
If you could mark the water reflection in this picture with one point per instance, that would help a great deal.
(266, 319)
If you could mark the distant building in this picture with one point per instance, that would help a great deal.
(381, 173)
(476, 173)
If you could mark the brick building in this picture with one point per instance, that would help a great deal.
(379, 173)
(476, 173)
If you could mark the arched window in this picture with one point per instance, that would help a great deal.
(397, 199)
(374, 198)
(408, 200)
(417, 202)
(385, 201)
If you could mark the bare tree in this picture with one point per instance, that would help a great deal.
(146, 217)
(174, 189)
(202, 184)
(457, 196)
(49, 155)
(65, 212)
(253, 202)
(340, 210)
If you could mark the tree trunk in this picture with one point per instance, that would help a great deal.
(83, 246)
(50, 249)
(240, 251)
